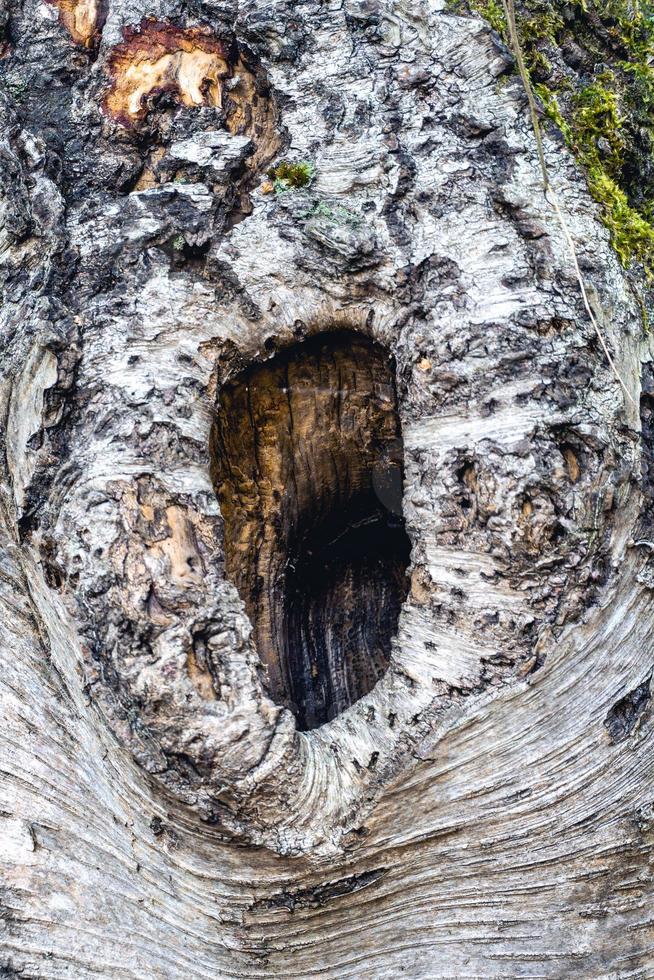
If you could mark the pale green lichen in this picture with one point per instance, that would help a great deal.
(335, 214)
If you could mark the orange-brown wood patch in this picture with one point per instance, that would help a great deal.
(81, 18)
(156, 57)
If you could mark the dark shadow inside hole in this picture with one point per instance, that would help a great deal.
(308, 466)
(343, 599)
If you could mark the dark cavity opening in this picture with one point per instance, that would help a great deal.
(308, 466)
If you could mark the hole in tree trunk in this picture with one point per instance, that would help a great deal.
(308, 466)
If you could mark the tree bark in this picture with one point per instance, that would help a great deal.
(473, 795)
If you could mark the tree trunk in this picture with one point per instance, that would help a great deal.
(325, 595)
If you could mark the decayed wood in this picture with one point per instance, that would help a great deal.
(307, 454)
(484, 811)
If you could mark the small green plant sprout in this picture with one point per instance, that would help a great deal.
(178, 243)
(286, 176)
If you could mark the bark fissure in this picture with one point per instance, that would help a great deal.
(626, 714)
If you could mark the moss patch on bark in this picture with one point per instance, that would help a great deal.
(590, 62)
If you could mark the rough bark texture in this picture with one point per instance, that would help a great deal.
(487, 809)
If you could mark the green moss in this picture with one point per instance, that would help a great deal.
(603, 106)
(598, 135)
(597, 125)
(490, 10)
(550, 104)
(632, 235)
(288, 176)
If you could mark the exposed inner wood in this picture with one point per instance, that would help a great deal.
(309, 470)
(159, 57)
(81, 18)
(193, 68)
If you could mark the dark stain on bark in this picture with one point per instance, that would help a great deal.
(624, 717)
(304, 898)
(647, 464)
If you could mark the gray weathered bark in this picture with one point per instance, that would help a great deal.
(487, 810)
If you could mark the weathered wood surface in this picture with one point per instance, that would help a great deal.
(488, 809)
